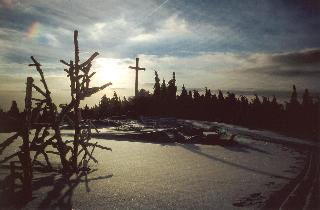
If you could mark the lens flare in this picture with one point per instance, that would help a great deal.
(33, 30)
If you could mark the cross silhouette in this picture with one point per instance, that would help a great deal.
(137, 68)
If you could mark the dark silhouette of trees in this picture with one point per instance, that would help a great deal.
(293, 112)
(184, 103)
(163, 90)
(294, 96)
(115, 104)
(11, 120)
(104, 107)
(306, 98)
(172, 89)
(171, 96)
(184, 93)
(14, 110)
(295, 118)
(144, 93)
(156, 87)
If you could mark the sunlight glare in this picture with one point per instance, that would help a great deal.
(109, 70)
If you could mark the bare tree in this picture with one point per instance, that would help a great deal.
(74, 154)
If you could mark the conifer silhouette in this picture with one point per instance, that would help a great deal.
(156, 87)
(14, 110)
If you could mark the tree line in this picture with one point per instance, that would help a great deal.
(297, 117)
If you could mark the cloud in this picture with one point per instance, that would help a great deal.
(15, 57)
(303, 57)
(7, 4)
(97, 31)
(172, 28)
(303, 63)
(121, 29)
(298, 73)
(11, 83)
(235, 70)
(284, 71)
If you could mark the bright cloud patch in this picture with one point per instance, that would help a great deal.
(171, 28)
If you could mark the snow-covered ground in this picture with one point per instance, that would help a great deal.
(262, 135)
(138, 175)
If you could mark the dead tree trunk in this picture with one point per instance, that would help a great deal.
(77, 103)
(73, 157)
(25, 151)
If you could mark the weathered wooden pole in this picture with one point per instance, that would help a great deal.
(77, 99)
(137, 68)
(25, 150)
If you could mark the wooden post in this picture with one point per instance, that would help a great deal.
(26, 160)
(76, 108)
(137, 68)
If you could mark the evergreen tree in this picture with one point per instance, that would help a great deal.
(14, 110)
(190, 95)
(104, 105)
(214, 98)
(163, 89)
(115, 98)
(243, 99)
(144, 93)
(220, 96)
(306, 98)
(207, 94)
(104, 101)
(231, 97)
(274, 100)
(184, 93)
(294, 96)
(124, 100)
(196, 95)
(172, 88)
(156, 88)
(115, 104)
(256, 101)
(265, 100)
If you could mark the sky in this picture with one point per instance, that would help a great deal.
(251, 46)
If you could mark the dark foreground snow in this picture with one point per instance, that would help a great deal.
(139, 175)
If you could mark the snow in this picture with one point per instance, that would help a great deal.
(138, 175)
(263, 135)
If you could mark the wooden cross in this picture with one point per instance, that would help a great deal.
(137, 68)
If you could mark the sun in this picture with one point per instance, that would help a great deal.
(109, 70)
